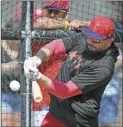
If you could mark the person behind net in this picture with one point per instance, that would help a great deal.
(10, 70)
(77, 91)
(55, 13)
(110, 104)
(109, 107)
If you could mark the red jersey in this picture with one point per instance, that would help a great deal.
(50, 68)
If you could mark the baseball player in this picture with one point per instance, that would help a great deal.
(52, 16)
(77, 91)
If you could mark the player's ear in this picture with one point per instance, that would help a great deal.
(110, 42)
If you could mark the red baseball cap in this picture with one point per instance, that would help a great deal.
(58, 5)
(100, 28)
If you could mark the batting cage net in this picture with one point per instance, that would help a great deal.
(26, 27)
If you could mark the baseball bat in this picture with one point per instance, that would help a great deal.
(36, 92)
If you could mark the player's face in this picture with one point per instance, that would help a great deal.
(98, 45)
(57, 14)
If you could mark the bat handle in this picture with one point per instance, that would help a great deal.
(36, 92)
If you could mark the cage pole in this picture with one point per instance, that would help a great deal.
(28, 49)
(27, 41)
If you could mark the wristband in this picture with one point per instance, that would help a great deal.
(41, 55)
(67, 25)
(39, 76)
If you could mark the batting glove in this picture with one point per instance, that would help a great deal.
(30, 66)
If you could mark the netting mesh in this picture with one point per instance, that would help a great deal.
(89, 9)
(84, 10)
(13, 52)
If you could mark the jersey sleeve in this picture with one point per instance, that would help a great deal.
(65, 45)
(73, 40)
(90, 79)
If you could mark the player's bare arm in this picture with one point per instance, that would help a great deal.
(48, 23)
(11, 48)
(10, 67)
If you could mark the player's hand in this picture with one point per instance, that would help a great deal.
(35, 75)
(30, 66)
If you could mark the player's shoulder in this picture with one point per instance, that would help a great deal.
(107, 62)
(77, 37)
(105, 66)
(110, 57)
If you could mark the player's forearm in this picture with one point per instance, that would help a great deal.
(10, 67)
(45, 81)
(53, 48)
(49, 26)
(48, 23)
(59, 89)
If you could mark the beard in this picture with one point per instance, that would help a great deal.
(92, 50)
